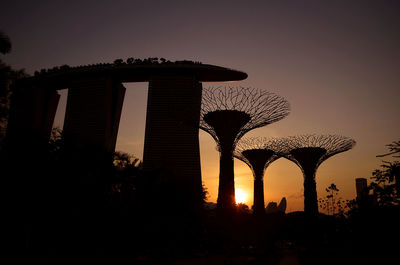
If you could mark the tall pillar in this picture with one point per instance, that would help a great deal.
(90, 132)
(93, 113)
(31, 118)
(24, 159)
(171, 137)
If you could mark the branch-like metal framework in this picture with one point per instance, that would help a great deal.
(258, 153)
(227, 113)
(308, 152)
(262, 108)
(323, 146)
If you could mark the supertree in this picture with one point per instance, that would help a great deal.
(308, 152)
(227, 113)
(258, 153)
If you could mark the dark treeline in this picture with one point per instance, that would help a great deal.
(139, 218)
(62, 212)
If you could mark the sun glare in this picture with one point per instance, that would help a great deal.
(240, 196)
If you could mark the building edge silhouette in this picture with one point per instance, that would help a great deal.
(94, 103)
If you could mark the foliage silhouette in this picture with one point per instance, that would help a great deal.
(391, 168)
(116, 63)
(385, 183)
(394, 148)
(7, 77)
(141, 218)
(331, 202)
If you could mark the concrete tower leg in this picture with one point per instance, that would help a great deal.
(24, 157)
(93, 113)
(31, 118)
(171, 137)
(90, 132)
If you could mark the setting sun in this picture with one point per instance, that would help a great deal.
(241, 196)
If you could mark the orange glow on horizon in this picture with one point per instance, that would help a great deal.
(241, 196)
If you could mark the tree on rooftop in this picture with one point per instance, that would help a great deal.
(227, 113)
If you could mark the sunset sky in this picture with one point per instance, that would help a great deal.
(336, 62)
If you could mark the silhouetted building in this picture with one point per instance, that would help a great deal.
(361, 188)
(172, 125)
(282, 205)
(94, 104)
(171, 141)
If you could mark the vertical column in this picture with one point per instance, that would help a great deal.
(90, 131)
(31, 118)
(171, 137)
(259, 207)
(93, 113)
(24, 161)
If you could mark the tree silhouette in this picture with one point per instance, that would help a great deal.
(258, 153)
(123, 160)
(7, 77)
(391, 168)
(331, 203)
(394, 148)
(308, 152)
(227, 113)
(386, 183)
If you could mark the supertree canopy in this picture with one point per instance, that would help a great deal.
(308, 152)
(258, 153)
(227, 113)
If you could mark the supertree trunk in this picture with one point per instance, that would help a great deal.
(226, 188)
(258, 205)
(258, 153)
(310, 193)
(227, 125)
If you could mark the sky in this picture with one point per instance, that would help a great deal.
(336, 62)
